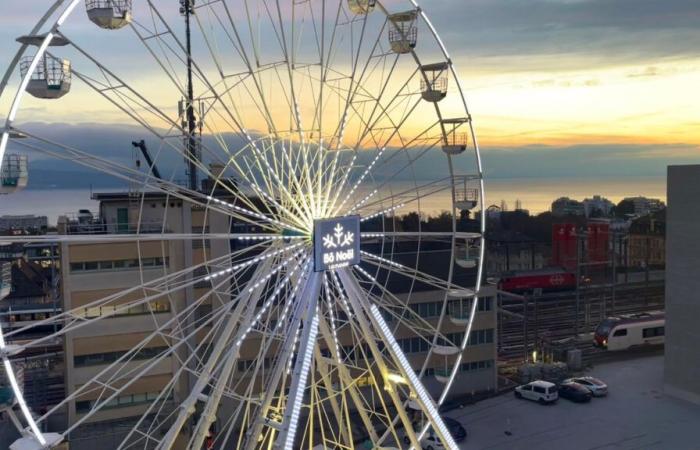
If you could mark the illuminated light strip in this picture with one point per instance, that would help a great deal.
(363, 201)
(285, 311)
(371, 235)
(391, 263)
(294, 349)
(265, 307)
(364, 272)
(332, 315)
(264, 237)
(253, 213)
(343, 299)
(277, 269)
(381, 213)
(251, 262)
(364, 174)
(297, 401)
(415, 382)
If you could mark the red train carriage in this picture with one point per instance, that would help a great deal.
(549, 280)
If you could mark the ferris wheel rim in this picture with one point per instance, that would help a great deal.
(10, 119)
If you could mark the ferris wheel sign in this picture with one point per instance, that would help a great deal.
(336, 243)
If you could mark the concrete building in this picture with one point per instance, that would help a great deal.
(565, 206)
(682, 364)
(23, 222)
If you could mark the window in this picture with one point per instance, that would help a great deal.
(652, 332)
(120, 264)
(110, 357)
(620, 332)
(539, 389)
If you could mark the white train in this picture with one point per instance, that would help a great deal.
(630, 330)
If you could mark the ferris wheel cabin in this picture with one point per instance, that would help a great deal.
(51, 78)
(403, 33)
(361, 6)
(109, 14)
(455, 142)
(433, 84)
(14, 174)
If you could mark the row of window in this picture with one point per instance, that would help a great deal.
(119, 402)
(473, 366)
(433, 309)
(160, 306)
(119, 264)
(108, 358)
(420, 345)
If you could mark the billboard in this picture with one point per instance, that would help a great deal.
(336, 243)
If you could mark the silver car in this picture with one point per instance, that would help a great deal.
(597, 387)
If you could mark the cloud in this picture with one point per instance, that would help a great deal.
(515, 34)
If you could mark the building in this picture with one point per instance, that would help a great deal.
(565, 206)
(643, 205)
(682, 365)
(597, 206)
(510, 250)
(24, 222)
(91, 271)
(646, 241)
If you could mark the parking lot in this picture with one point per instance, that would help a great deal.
(635, 415)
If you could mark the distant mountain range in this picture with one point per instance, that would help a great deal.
(577, 161)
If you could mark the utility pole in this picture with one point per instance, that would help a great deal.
(187, 9)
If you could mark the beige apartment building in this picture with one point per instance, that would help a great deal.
(95, 270)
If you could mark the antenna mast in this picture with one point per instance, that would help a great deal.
(187, 9)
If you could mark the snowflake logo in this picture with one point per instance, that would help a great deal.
(339, 238)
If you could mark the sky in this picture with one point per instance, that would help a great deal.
(560, 88)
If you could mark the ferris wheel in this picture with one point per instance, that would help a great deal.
(268, 299)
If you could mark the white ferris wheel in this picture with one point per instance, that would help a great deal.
(314, 127)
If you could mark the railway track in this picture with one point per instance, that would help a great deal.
(525, 325)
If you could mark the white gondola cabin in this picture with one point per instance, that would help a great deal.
(13, 175)
(455, 141)
(403, 33)
(466, 197)
(50, 80)
(433, 84)
(109, 14)
(361, 6)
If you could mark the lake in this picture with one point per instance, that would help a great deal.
(535, 194)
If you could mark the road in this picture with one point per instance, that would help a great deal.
(635, 415)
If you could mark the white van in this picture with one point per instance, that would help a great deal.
(539, 391)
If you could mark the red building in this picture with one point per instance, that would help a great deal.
(564, 245)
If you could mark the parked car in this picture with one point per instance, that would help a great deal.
(539, 391)
(455, 428)
(575, 392)
(597, 387)
(431, 441)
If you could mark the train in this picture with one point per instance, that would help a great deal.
(548, 280)
(631, 330)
